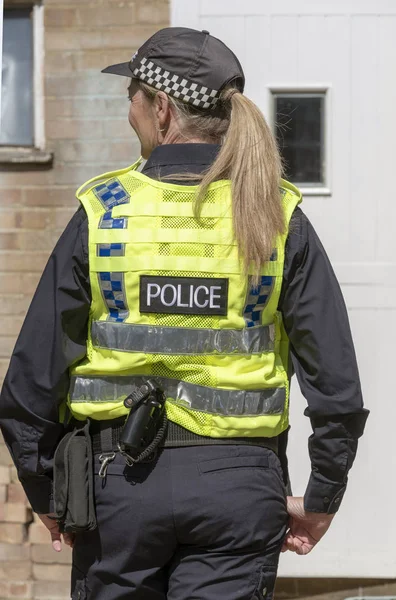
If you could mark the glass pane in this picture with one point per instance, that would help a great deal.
(17, 79)
(299, 131)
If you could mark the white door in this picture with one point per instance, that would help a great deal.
(346, 49)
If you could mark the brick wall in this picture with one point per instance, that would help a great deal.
(87, 129)
(29, 567)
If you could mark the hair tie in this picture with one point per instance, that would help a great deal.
(228, 94)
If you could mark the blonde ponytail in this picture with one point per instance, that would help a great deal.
(248, 157)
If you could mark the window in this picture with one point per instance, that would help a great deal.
(300, 129)
(17, 115)
(22, 85)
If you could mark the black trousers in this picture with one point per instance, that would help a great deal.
(197, 523)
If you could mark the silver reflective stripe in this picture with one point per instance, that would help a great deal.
(177, 340)
(196, 397)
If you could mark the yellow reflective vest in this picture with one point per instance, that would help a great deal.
(169, 303)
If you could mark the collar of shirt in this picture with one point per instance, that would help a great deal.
(173, 159)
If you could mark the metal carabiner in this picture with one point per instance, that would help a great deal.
(105, 460)
(130, 461)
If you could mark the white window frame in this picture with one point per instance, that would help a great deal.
(307, 89)
(38, 76)
(1, 44)
(36, 152)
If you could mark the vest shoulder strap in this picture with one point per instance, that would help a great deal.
(88, 184)
(291, 197)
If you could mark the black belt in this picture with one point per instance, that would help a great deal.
(106, 436)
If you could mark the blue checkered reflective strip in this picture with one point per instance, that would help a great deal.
(110, 249)
(113, 291)
(107, 222)
(112, 193)
(256, 301)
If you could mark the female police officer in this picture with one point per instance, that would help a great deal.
(205, 293)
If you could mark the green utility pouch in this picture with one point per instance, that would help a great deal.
(74, 482)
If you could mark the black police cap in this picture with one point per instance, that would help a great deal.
(187, 64)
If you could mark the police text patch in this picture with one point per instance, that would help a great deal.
(183, 295)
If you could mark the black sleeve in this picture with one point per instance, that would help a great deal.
(52, 338)
(323, 357)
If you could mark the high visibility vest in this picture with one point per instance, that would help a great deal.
(170, 304)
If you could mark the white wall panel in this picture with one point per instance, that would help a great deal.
(312, 53)
(229, 29)
(364, 138)
(185, 13)
(333, 46)
(349, 46)
(257, 65)
(284, 33)
(384, 118)
(359, 542)
(301, 7)
(369, 273)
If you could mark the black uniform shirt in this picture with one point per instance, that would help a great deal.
(53, 337)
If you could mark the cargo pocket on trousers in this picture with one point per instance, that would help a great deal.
(266, 584)
(80, 590)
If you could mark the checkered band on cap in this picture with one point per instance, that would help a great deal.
(176, 86)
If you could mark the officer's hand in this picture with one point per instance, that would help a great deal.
(306, 528)
(53, 528)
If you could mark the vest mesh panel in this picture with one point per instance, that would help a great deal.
(131, 210)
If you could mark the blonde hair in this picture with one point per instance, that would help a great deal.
(250, 159)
